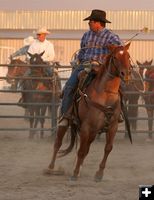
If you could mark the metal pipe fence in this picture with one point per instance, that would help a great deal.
(53, 104)
(9, 91)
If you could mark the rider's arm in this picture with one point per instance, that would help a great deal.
(114, 39)
(22, 51)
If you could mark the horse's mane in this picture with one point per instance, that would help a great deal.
(17, 61)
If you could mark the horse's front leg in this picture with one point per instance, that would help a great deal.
(108, 148)
(36, 119)
(31, 121)
(86, 138)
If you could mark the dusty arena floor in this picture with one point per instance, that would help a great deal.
(22, 163)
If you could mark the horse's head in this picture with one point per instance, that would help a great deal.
(119, 61)
(143, 66)
(17, 69)
(36, 59)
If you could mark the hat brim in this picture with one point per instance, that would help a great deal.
(96, 19)
(43, 32)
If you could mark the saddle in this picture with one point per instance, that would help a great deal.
(85, 78)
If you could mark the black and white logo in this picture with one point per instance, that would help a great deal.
(146, 192)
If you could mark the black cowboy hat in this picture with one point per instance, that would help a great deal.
(98, 15)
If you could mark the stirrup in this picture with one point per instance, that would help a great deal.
(66, 116)
(63, 121)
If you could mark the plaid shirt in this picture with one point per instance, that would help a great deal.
(93, 45)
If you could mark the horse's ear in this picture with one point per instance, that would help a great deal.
(150, 62)
(137, 62)
(29, 54)
(127, 46)
(41, 54)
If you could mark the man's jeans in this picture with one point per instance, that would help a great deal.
(69, 89)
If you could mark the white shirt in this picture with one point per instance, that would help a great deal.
(144, 72)
(38, 47)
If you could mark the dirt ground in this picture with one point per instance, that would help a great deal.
(22, 162)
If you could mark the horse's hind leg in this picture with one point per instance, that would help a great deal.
(42, 120)
(108, 148)
(150, 123)
(57, 144)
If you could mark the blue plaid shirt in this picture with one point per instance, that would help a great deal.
(93, 45)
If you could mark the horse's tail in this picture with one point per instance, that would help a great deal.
(124, 111)
(73, 140)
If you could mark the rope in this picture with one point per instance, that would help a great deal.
(140, 77)
(74, 54)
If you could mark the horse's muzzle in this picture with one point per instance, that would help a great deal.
(127, 77)
(9, 79)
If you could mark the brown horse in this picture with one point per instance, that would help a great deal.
(148, 95)
(34, 82)
(15, 72)
(143, 66)
(99, 108)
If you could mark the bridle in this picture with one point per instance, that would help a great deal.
(114, 62)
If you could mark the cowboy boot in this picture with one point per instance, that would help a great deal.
(66, 106)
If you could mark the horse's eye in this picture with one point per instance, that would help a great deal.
(114, 58)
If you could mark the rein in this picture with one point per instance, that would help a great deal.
(95, 104)
(112, 63)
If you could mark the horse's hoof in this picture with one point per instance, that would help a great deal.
(73, 178)
(97, 179)
(50, 171)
